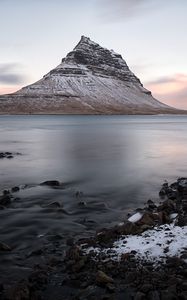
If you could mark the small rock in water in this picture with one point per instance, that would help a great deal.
(52, 183)
(15, 189)
(8, 155)
(5, 200)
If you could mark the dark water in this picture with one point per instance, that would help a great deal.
(118, 162)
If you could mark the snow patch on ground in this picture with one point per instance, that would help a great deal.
(152, 245)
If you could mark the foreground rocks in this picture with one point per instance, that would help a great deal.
(83, 274)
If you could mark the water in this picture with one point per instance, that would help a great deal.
(118, 162)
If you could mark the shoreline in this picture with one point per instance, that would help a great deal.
(82, 273)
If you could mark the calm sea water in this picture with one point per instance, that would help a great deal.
(118, 162)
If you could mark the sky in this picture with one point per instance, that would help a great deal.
(149, 34)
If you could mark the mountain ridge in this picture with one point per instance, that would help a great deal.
(89, 80)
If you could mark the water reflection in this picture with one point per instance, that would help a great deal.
(119, 155)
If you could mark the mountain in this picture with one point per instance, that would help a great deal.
(90, 80)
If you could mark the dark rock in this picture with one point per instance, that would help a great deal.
(163, 217)
(52, 183)
(151, 204)
(147, 219)
(128, 228)
(4, 247)
(103, 279)
(5, 200)
(15, 189)
(6, 192)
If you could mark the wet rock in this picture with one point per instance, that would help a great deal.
(4, 247)
(15, 189)
(103, 279)
(128, 228)
(5, 199)
(164, 218)
(147, 219)
(51, 183)
(167, 206)
(151, 204)
(6, 192)
(8, 155)
(82, 203)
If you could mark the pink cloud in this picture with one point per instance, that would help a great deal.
(8, 89)
(171, 90)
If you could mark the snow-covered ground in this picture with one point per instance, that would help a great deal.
(152, 245)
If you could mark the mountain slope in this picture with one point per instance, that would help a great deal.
(89, 80)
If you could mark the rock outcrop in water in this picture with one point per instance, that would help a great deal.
(89, 80)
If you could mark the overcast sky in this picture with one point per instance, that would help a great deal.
(150, 35)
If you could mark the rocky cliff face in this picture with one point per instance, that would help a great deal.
(89, 80)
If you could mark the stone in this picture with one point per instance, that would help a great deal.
(5, 200)
(103, 279)
(147, 219)
(51, 183)
(15, 189)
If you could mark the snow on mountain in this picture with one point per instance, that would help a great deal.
(90, 80)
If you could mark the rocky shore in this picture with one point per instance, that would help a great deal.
(145, 257)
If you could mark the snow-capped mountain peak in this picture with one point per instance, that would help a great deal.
(89, 80)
